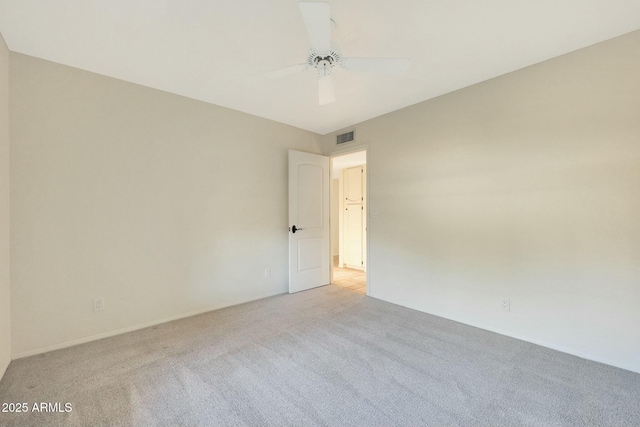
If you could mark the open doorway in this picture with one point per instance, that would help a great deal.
(349, 221)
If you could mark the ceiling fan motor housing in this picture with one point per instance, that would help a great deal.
(323, 61)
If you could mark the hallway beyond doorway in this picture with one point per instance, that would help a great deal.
(349, 278)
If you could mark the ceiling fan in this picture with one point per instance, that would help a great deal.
(324, 57)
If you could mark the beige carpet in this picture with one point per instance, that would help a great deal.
(325, 357)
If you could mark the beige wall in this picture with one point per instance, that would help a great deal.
(525, 187)
(162, 205)
(5, 312)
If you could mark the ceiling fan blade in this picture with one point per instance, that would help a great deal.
(317, 19)
(326, 94)
(286, 71)
(389, 66)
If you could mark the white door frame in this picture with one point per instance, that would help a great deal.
(355, 149)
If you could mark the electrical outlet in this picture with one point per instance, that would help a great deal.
(98, 304)
(267, 272)
(506, 304)
(375, 213)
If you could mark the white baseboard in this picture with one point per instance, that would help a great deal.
(525, 338)
(3, 368)
(120, 331)
(560, 348)
(206, 310)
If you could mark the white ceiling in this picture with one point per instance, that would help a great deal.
(211, 50)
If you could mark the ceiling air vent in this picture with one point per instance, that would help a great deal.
(345, 137)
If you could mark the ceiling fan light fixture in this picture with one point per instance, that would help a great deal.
(324, 68)
(324, 55)
(332, 56)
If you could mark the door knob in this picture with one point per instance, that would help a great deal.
(294, 229)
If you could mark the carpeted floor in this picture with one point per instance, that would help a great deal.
(325, 357)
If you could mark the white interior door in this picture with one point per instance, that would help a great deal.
(308, 221)
(353, 236)
(353, 218)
